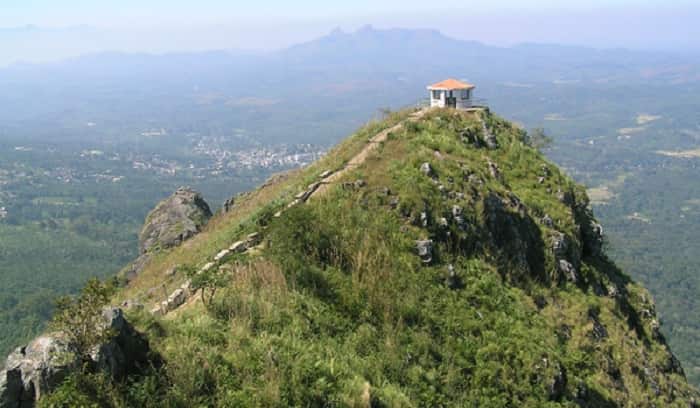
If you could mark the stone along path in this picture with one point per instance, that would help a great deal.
(180, 295)
(361, 157)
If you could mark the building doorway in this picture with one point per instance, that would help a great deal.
(450, 100)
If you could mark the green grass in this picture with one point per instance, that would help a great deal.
(338, 309)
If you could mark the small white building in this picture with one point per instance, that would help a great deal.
(451, 93)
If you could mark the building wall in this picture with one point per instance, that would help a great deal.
(437, 103)
(461, 103)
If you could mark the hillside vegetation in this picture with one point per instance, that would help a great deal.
(453, 266)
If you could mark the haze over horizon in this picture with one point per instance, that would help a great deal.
(39, 31)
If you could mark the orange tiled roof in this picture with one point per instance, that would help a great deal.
(451, 84)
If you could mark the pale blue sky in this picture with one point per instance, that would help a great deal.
(125, 12)
(178, 25)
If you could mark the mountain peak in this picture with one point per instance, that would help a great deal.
(336, 32)
(432, 258)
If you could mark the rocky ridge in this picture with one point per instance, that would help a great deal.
(443, 260)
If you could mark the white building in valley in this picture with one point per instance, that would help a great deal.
(451, 93)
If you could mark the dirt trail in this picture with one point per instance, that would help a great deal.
(360, 158)
(184, 295)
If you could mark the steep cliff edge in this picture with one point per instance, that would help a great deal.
(449, 264)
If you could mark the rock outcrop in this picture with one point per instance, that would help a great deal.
(513, 233)
(425, 250)
(33, 370)
(37, 368)
(174, 220)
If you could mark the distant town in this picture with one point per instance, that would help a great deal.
(206, 160)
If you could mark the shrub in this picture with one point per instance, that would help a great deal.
(80, 318)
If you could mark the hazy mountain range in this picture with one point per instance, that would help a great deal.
(610, 112)
(336, 73)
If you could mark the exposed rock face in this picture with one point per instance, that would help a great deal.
(557, 387)
(494, 170)
(598, 331)
(566, 257)
(125, 351)
(513, 233)
(174, 220)
(592, 234)
(35, 369)
(490, 138)
(425, 250)
(453, 281)
(470, 136)
(565, 197)
(424, 219)
(479, 137)
(426, 169)
(11, 388)
(547, 221)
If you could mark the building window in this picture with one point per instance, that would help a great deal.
(437, 94)
(465, 94)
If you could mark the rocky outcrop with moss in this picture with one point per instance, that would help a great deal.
(174, 220)
(37, 368)
(445, 263)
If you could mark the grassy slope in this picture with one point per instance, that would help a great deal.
(337, 309)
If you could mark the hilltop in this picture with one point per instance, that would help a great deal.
(433, 258)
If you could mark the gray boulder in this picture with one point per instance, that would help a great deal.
(567, 270)
(34, 370)
(592, 234)
(425, 250)
(452, 280)
(424, 219)
(547, 221)
(457, 214)
(491, 141)
(489, 137)
(470, 136)
(174, 220)
(39, 367)
(565, 256)
(125, 351)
